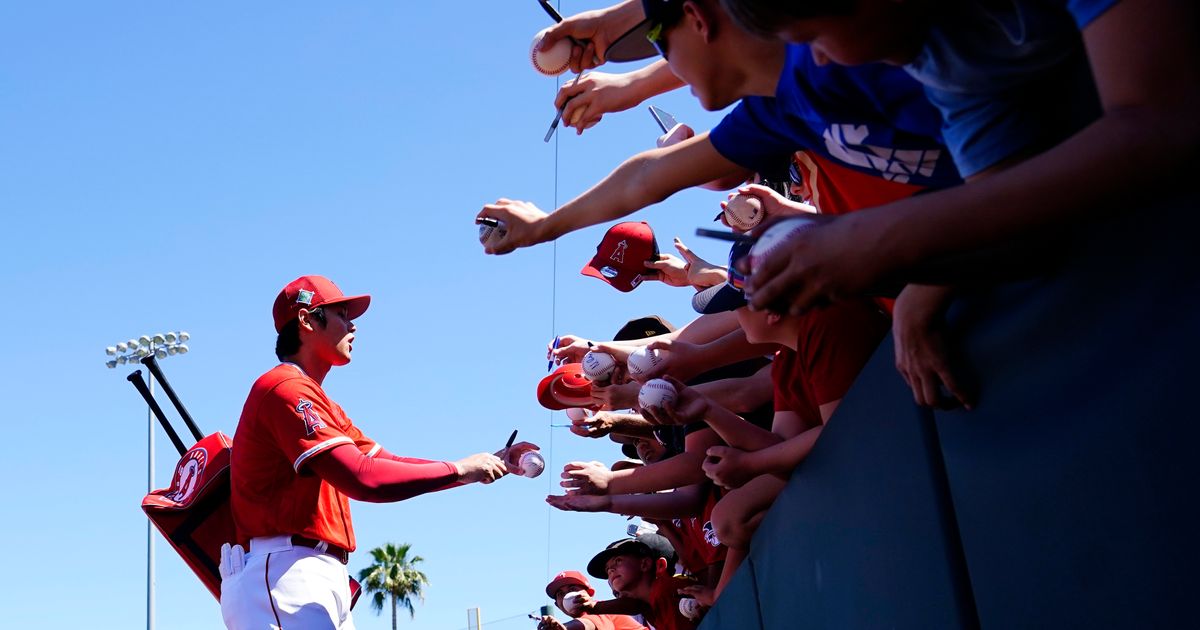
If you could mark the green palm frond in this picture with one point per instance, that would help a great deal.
(394, 575)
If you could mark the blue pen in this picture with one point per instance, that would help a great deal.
(550, 365)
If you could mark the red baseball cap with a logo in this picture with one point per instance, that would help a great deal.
(565, 578)
(310, 292)
(621, 258)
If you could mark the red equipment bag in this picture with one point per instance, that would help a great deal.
(193, 514)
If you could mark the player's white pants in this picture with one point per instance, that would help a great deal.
(286, 588)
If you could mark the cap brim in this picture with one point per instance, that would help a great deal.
(630, 451)
(595, 567)
(623, 287)
(553, 587)
(546, 397)
(632, 46)
(719, 298)
(356, 305)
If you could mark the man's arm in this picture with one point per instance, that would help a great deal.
(741, 395)
(382, 480)
(644, 179)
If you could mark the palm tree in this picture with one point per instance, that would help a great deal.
(394, 574)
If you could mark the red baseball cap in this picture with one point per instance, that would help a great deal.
(568, 577)
(310, 292)
(621, 257)
(565, 387)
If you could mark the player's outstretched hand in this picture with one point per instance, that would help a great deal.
(586, 478)
(588, 98)
(923, 354)
(511, 455)
(580, 502)
(523, 224)
(728, 467)
(594, 31)
(481, 467)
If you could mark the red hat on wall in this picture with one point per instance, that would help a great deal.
(621, 257)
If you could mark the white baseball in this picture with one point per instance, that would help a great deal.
(598, 366)
(642, 361)
(576, 413)
(486, 232)
(552, 62)
(776, 238)
(744, 212)
(532, 464)
(689, 607)
(656, 394)
(573, 601)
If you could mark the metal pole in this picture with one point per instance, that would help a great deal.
(149, 525)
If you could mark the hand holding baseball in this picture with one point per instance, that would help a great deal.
(523, 221)
(588, 98)
(621, 395)
(593, 32)
(689, 406)
(481, 467)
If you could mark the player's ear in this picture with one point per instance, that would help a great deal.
(305, 319)
(701, 18)
(660, 565)
(773, 318)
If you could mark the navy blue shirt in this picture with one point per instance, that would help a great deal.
(872, 118)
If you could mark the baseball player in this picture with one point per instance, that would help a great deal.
(298, 461)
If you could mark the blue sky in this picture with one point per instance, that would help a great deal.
(170, 166)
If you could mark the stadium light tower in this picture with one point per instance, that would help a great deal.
(161, 345)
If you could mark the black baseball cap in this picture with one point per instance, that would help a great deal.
(642, 327)
(643, 546)
(638, 42)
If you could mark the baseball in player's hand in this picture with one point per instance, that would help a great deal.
(523, 220)
(481, 467)
(594, 31)
(586, 478)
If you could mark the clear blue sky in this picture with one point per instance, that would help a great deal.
(171, 165)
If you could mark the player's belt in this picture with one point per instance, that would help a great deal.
(342, 555)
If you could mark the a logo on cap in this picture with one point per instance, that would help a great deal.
(619, 253)
(608, 272)
(304, 296)
(312, 421)
(636, 280)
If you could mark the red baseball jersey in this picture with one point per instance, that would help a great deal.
(288, 420)
(614, 622)
(664, 603)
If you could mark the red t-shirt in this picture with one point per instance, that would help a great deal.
(835, 343)
(836, 189)
(664, 603)
(286, 421)
(614, 622)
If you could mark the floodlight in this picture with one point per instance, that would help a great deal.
(144, 340)
(171, 350)
(132, 343)
(122, 359)
(158, 339)
(170, 337)
(122, 347)
(111, 364)
(160, 353)
(182, 348)
(183, 336)
(110, 351)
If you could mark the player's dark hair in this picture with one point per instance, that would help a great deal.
(288, 341)
(764, 17)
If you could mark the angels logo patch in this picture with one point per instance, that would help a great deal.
(618, 254)
(312, 421)
(188, 474)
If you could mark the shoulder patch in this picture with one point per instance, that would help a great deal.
(312, 421)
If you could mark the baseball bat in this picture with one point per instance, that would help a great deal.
(152, 363)
(140, 384)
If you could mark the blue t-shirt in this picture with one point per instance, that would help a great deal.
(1011, 77)
(872, 118)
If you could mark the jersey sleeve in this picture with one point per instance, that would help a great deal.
(366, 445)
(836, 342)
(303, 423)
